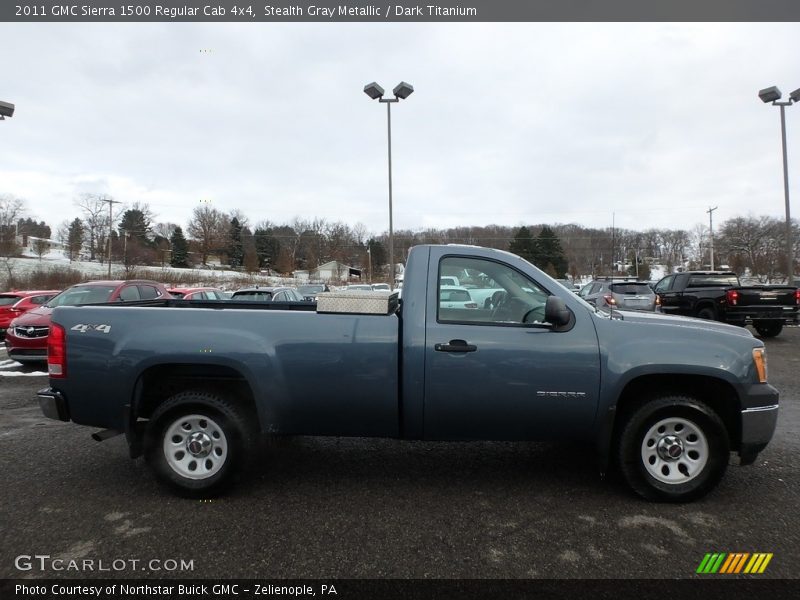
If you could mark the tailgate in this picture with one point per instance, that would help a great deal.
(767, 295)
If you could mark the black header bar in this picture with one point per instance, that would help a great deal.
(389, 11)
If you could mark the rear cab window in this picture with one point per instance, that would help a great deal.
(712, 280)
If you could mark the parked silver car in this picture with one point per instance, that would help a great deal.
(624, 294)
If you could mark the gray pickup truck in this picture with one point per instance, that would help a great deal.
(193, 384)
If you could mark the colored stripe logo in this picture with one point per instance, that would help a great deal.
(734, 563)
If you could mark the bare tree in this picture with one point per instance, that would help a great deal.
(11, 208)
(208, 227)
(95, 219)
(164, 230)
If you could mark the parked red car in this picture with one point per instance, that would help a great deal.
(13, 304)
(198, 293)
(26, 337)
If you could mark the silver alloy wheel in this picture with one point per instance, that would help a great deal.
(674, 450)
(195, 446)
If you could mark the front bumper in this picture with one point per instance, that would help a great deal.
(53, 404)
(759, 418)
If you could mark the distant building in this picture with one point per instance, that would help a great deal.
(29, 243)
(330, 271)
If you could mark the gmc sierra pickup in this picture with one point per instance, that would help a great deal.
(192, 384)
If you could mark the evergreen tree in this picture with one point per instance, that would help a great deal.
(75, 238)
(136, 224)
(268, 248)
(524, 245)
(180, 249)
(551, 254)
(378, 254)
(235, 248)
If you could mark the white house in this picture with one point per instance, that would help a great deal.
(330, 271)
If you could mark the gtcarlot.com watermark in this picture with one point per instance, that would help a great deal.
(44, 563)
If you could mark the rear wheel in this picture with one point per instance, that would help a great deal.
(706, 313)
(768, 328)
(673, 449)
(196, 442)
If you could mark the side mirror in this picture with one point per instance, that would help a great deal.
(556, 312)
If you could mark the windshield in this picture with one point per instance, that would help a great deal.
(87, 294)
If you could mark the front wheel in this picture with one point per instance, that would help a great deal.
(768, 328)
(196, 442)
(673, 449)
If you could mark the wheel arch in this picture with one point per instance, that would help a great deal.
(716, 393)
(158, 383)
(706, 304)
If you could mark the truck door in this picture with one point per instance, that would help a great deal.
(495, 371)
(669, 299)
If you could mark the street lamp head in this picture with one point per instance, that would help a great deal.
(795, 95)
(6, 109)
(770, 94)
(373, 90)
(403, 90)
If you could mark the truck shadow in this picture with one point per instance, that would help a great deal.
(299, 461)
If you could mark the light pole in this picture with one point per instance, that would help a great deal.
(6, 110)
(401, 91)
(711, 232)
(772, 95)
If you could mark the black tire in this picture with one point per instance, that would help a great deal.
(223, 424)
(768, 329)
(707, 313)
(673, 478)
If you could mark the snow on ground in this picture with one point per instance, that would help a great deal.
(211, 277)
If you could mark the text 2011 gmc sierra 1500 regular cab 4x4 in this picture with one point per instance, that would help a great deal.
(665, 399)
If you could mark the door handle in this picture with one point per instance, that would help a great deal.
(455, 346)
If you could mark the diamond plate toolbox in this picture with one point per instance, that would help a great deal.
(357, 303)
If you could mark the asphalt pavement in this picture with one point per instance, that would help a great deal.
(354, 508)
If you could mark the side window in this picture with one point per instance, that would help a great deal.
(502, 295)
(280, 297)
(148, 292)
(585, 290)
(664, 284)
(129, 293)
(596, 287)
(212, 295)
(40, 299)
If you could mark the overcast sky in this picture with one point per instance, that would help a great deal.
(508, 124)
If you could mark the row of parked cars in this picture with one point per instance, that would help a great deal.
(25, 315)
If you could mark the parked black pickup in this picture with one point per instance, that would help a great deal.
(717, 295)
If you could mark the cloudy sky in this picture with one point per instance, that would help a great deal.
(508, 124)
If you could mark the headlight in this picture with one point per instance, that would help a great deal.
(760, 361)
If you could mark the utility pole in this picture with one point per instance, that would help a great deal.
(613, 242)
(111, 202)
(711, 233)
